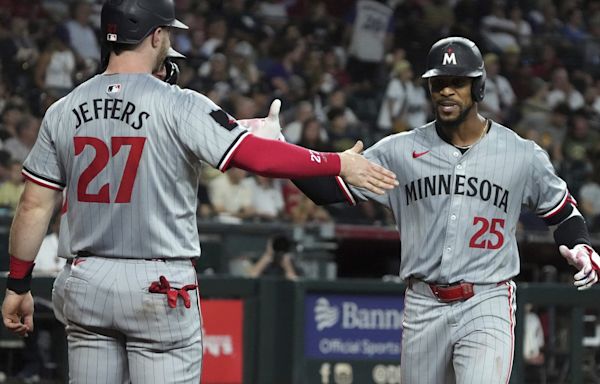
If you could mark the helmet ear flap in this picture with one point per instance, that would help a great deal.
(478, 87)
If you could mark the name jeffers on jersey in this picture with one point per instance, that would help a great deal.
(471, 186)
(110, 108)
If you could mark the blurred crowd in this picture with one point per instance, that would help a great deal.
(344, 70)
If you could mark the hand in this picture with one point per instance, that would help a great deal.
(17, 312)
(268, 127)
(268, 255)
(360, 172)
(584, 258)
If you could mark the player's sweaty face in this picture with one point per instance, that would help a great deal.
(451, 97)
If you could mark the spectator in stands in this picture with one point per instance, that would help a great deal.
(244, 73)
(83, 37)
(546, 62)
(276, 260)
(591, 49)
(215, 76)
(12, 188)
(438, 18)
(341, 135)
(55, 68)
(11, 116)
(337, 99)
(267, 197)
(300, 209)
(244, 108)
(533, 337)
(580, 144)
(334, 74)
(272, 12)
(26, 135)
(498, 31)
(522, 26)
(574, 29)
(5, 161)
(313, 136)
(288, 56)
(303, 112)
(231, 199)
(499, 96)
(545, 20)
(562, 90)
(216, 33)
(22, 50)
(589, 198)
(404, 105)
(369, 34)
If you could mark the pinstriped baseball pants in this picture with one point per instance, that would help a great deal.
(468, 342)
(117, 330)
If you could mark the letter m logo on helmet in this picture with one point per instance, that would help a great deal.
(449, 58)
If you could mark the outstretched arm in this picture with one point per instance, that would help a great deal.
(574, 243)
(261, 153)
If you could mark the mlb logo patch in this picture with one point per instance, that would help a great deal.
(111, 37)
(114, 88)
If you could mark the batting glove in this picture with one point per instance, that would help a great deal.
(268, 127)
(584, 258)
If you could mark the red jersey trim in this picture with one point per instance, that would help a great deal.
(342, 184)
(566, 198)
(41, 181)
(226, 159)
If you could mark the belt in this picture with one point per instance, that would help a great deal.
(448, 293)
(83, 255)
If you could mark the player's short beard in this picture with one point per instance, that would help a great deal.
(456, 122)
(162, 55)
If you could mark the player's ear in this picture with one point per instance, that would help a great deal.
(156, 36)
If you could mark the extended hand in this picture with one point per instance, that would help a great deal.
(360, 172)
(17, 312)
(584, 258)
(268, 127)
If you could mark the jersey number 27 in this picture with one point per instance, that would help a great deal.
(102, 156)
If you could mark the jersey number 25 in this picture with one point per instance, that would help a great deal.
(495, 229)
(102, 156)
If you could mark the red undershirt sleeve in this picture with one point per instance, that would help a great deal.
(273, 158)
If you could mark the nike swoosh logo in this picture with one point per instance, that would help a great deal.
(416, 155)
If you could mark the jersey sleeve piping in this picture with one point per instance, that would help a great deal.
(342, 184)
(41, 180)
(226, 159)
(566, 198)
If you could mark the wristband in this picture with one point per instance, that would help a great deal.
(19, 277)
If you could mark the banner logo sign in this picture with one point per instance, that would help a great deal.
(361, 327)
(223, 341)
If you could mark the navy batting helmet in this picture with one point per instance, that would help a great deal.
(457, 56)
(131, 21)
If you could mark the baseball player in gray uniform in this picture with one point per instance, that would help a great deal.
(463, 180)
(168, 72)
(127, 148)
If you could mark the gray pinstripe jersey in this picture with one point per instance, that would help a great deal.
(128, 147)
(457, 213)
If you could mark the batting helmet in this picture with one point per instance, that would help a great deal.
(457, 56)
(130, 21)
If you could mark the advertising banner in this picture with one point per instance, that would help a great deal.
(353, 327)
(223, 341)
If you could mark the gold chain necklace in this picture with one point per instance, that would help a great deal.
(485, 128)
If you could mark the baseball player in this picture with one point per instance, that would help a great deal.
(168, 72)
(463, 179)
(127, 148)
